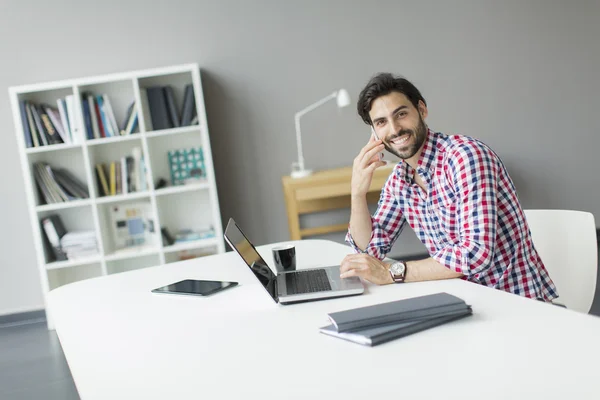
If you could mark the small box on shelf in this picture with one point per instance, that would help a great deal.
(186, 166)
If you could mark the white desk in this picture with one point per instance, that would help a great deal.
(123, 342)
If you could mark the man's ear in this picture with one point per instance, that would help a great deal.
(423, 109)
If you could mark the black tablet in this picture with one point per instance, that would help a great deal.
(193, 287)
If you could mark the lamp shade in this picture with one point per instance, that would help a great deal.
(342, 98)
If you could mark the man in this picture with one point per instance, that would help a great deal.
(455, 193)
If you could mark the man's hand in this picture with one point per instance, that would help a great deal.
(366, 267)
(364, 164)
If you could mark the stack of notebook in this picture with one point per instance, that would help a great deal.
(380, 323)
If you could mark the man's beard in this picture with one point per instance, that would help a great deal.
(420, 133)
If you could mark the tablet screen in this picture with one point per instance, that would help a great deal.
(195, 287)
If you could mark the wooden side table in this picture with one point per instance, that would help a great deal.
(323, 191)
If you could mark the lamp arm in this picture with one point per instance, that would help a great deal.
(297, 121)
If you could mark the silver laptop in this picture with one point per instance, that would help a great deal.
(293, 286)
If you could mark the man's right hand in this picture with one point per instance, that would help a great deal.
(364, 164)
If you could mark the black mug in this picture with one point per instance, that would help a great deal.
(285, 258)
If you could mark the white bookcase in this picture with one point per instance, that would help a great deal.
(174, 207)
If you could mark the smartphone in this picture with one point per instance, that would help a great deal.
(376, 138)
(192, 287)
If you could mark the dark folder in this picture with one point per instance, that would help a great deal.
(406, 310)
(385, 333)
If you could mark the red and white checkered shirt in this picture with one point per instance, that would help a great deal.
(470, 219)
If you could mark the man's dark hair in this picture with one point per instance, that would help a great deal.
(381, 85)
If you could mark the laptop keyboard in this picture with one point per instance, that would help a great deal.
(307, 282)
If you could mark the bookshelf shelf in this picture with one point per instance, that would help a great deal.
(73, 263)
(196, 244)
(69, 140)
(96, 142)
(131, 253)
(173, 131)
(183, 188)
(54, 147)
(122, 197)
(62, 206)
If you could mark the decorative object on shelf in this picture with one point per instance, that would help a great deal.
(132, 224)
(167, 237)
(160, 184)
(343, 99)
(186, 166)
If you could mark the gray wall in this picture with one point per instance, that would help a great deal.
(520, 75)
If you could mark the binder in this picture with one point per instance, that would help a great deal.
(54, 230)
(382, 334)
(406, 310)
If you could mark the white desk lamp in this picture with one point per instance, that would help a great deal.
(343, 99)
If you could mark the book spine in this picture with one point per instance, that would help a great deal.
(64, 117)
(34, 133)
(25, 122)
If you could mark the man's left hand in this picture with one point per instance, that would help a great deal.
(366, 267)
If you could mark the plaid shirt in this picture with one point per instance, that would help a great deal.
(470, 219)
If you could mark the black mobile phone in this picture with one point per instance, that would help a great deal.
(192, 287)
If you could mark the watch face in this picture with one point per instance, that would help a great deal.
(397, 268)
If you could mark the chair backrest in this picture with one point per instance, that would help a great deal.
(566, 242)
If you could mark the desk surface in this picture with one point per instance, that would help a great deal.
(121, 341)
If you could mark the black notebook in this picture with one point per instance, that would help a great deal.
(406, 310)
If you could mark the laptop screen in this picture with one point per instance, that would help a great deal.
(238, 241)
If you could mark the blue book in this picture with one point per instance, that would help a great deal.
(87, 118)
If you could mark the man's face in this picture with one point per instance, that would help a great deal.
(399, 124)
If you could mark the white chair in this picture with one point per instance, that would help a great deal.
(566, 242)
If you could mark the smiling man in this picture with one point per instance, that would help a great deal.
(453, 191)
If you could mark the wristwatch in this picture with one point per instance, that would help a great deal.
(398, 271)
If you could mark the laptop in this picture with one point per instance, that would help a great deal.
(292, 286)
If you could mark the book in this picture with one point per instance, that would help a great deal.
(38, 125)
(71, 184)
(32, 127)
(171, 106)
(412, 309)
(125, 122)
(110, 116)
(158, 108)
(64, 117)
(96, 134)
(73, 118)
(25, 121)
(189, 106)
(382, 334)
(102, 181)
